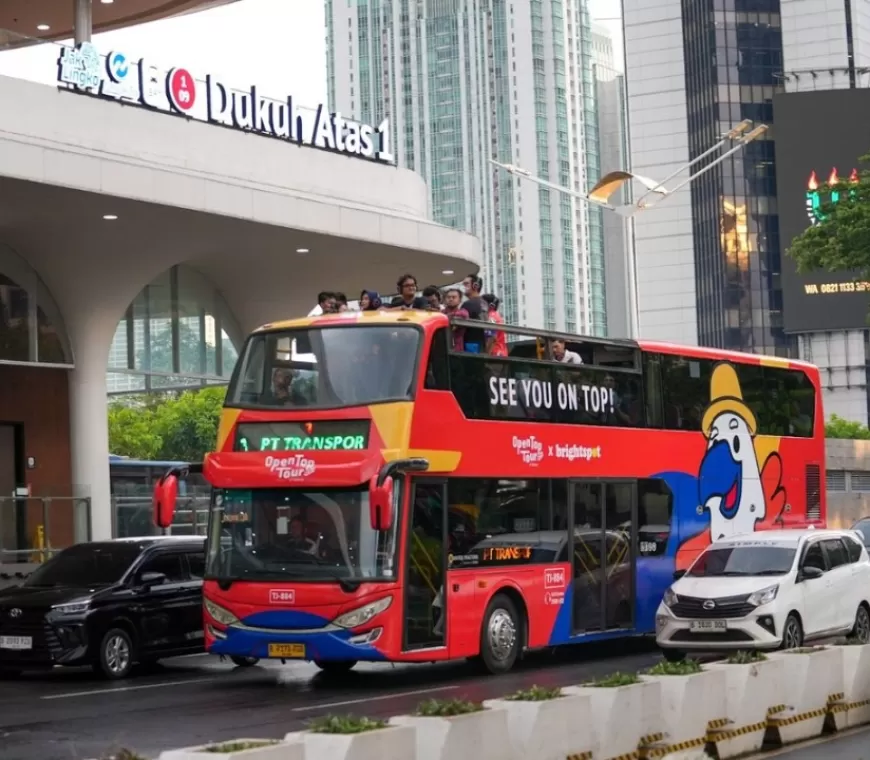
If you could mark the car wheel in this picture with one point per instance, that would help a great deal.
(115, 658)
(335, 666)
(501, 635)
(673, 655)
(861, 630)
(244, 662)
(792, 633)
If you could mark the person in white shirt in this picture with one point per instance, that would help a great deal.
(325, 304)
(562, 355)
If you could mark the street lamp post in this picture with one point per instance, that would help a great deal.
(600, 195)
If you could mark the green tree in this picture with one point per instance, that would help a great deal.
(840, 241)
(180, 426)
(837, 427)
(131, 430)
(187, 424)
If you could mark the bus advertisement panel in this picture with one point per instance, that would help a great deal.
(381, 496)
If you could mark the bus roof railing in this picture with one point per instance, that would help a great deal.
(549, 335)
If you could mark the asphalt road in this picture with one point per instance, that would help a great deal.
(854, 745)
(72, 715)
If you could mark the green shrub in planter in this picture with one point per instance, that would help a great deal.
(614, 680)
(446, 708)
(665, 668)
(535, 694)
(228, 747)
(345, 724)
(745, 657)
(124, 754)
(804, 650)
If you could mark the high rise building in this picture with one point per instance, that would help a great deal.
(709, 258)
(467, 80)
(613, 143)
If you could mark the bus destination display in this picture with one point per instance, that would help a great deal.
(329, 435)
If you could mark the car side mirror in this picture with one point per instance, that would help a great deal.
(811, 572)
(149, 580)
(679, 574)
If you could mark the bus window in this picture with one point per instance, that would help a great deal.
(654, 512)
(437, 377)
(686, 391)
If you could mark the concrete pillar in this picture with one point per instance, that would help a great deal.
(83, 21)
(89, 431)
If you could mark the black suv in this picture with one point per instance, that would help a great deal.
(108, 604)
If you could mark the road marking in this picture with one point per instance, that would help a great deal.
(382, 697)
(95, 692)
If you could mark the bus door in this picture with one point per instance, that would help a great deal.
(425, 596)
(603, 555)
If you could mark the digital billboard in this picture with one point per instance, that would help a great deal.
(820, 136)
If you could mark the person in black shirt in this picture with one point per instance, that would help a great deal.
(408, 298)
(475, 340)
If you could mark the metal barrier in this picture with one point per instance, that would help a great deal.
(132, 515)
(33, 528)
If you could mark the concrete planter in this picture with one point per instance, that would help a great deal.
(286, 750)
(813, 679)
(550, 729)
(622, 717)
(690, 706)
(854, 708)
(479, 735)
(751, 691)
(392, 741)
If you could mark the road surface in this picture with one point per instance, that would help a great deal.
(72, 715)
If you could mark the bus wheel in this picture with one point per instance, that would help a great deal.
(335, 666)
(501, 635)
(244, 662)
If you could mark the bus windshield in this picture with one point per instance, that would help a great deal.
(289, 534)
(327, 367)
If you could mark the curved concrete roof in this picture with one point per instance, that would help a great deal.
(24, 17)
(234, 205)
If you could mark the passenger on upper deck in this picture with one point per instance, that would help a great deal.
(452, 308)
(433, 296)
(560, 354)
(475, 340)
(496, 344)
(325, 304)
(408, 298)
(341, 302)
(370, 300)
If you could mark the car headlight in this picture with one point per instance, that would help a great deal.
(362, 615)
(72, 608)
(765, 596)
(220, 614)
(670, 598)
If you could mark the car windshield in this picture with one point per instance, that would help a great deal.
(720, 561)
(327, 367)
(282, 534)
(86, 566)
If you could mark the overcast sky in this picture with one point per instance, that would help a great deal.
(276, 44)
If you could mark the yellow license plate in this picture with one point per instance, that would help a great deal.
(289, 651)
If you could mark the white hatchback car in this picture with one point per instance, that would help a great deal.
(768, 590)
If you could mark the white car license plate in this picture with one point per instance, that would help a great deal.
(708, 626)
(16, 642)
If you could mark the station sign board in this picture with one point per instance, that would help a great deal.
(179, 91)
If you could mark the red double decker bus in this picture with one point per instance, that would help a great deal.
(381, 496)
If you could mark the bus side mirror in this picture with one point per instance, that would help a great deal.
(381, 504)
(165, 496)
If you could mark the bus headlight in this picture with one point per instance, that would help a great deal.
(220, 614)
(362, 615)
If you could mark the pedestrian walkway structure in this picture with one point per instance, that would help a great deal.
(150, 217)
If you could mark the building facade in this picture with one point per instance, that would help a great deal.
(840, 63)
(708, 259)
(463, 81)
(612, 120)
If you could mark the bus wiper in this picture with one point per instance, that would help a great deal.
(348, 585)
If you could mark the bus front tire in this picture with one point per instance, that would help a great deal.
(501, 637)
(244, 662)
(335, 666)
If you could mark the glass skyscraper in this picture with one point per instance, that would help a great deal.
(463, 81)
